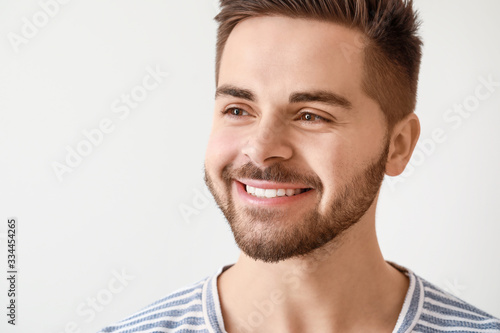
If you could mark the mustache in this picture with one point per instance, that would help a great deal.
(276, 173)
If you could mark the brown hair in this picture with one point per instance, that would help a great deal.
(392, 47)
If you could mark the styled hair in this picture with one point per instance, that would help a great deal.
(391, 45)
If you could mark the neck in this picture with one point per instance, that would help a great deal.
(328, 290)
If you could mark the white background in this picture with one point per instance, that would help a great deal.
(119, 210)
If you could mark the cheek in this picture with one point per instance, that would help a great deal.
(222, 149)
(336, 167)
(345, 158)
(329, 154)
(333, 160)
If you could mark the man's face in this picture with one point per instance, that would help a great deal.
(292, 125)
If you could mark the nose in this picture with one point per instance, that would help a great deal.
(268, 142)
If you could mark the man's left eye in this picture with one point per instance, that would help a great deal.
(311, 117)
(237, 112)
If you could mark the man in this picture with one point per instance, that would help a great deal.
(314, 105)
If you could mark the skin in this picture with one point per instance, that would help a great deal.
(345, 285)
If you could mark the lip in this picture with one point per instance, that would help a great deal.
(270, 185)
(270, 202)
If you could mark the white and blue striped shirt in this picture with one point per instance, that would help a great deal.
(196, 308)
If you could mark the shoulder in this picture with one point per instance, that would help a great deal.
(443, 312)
(181, 309)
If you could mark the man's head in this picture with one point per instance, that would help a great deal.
(389, 42)
(314, 104)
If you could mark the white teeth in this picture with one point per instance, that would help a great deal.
(260, 192)
(272, 193)
(250, 189)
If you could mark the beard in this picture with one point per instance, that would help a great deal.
(270, 235)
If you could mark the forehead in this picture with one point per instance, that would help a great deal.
(276, 55)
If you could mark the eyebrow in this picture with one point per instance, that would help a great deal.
(229, 90)
(321, 96)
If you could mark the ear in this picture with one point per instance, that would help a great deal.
(404, 138)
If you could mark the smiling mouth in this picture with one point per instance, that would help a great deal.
(274, 193)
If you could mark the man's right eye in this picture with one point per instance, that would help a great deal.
(235, 112)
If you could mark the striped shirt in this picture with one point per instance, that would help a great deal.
(196, 308)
